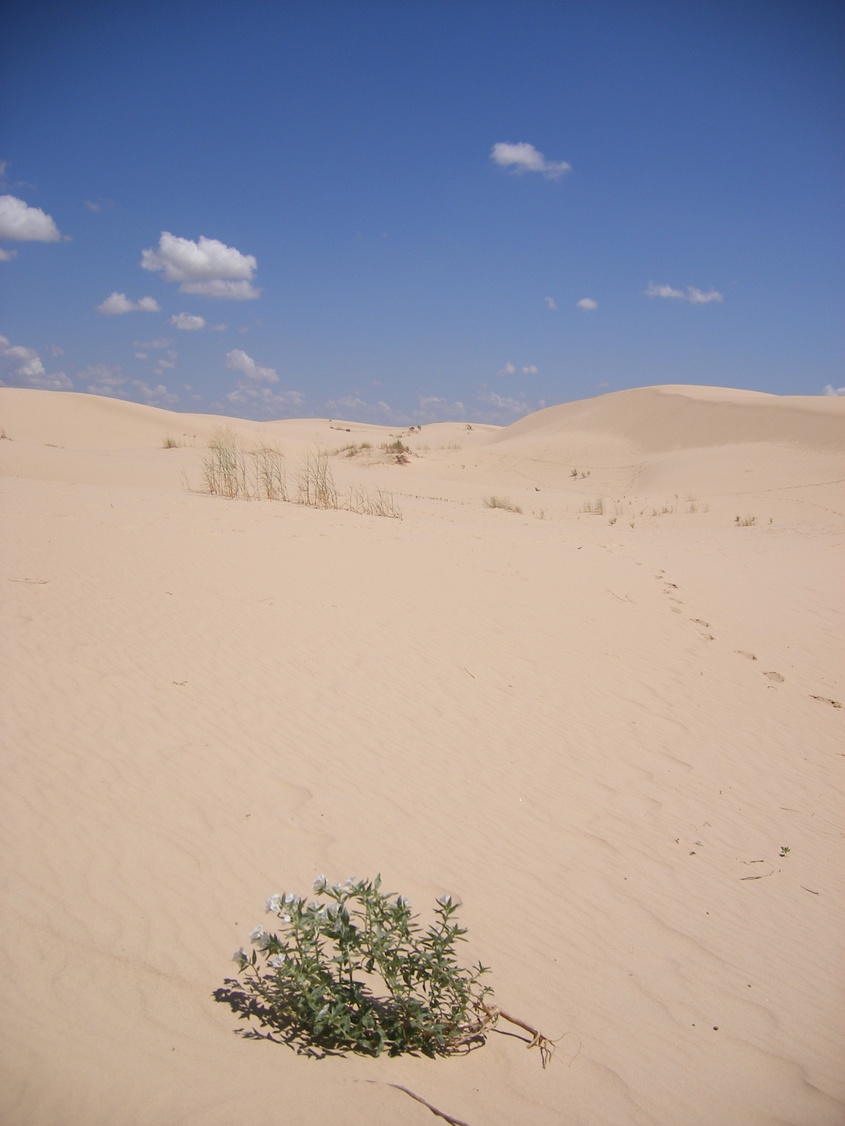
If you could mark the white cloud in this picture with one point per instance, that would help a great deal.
(699, 298)
(253, 391)
(117, 303)
(23, 223)
(238, 360)
(20, 366)
(550, 303)
(693, 295)
(187, 322)
(168, 360)
(503, 406)
(522, 157)
(207, 267)
(507, 370)
(158, 396)
(7, 255)
(353, 406)
(160, 342)
(433, 408)
(530, 369)
(226, 290)
(104, 379)
(831, 390)
(587, 303)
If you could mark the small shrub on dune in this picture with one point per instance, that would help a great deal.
(354, 971)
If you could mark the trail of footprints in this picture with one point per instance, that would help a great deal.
(671, 591)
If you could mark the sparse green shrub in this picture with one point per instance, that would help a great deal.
(397, 447)
(354, 971)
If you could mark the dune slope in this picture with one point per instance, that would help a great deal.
(598, 720)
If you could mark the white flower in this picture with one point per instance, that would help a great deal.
(401, 901)
(350, 883)
(337, 889)
(278, 961)
(292, 900)
(257, 934)
(447, 901)
(274, 904)
(240, 956)
(320, 884)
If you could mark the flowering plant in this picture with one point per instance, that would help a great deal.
(354, 971)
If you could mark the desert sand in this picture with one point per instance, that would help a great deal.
(599, 721)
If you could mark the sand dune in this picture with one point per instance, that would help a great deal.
(597, 721)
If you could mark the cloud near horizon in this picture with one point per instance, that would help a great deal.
(587, 303)
(24, 367)
(117, 303)
(522, 157)
(207, 267)
(254, 391)
(693, 295)
(23, 223)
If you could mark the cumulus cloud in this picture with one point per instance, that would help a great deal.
(522, 157)
(507, 370)
(20, 366)
(7, 255)
(207, 267)
(550, 303)
(693, 295)
(354, 407)
(587, 303)
(502, 407)
(23, 223)
(828, 390)
(158, 396)
(238, 360)
(167, 361)
(117, 303)
(529, 369)
(434, 408)
(254, 391)
(104, 379)
(187, 322)
(159, 342)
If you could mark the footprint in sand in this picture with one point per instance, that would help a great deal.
(743, 653)
(826, 700)
(775, 676)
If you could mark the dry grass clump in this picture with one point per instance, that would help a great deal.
(315, 481)
(594, 507)
(224, 468)
(502, 502)
(746, 521)
(259, 474)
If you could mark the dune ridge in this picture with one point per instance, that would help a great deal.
(598, 721)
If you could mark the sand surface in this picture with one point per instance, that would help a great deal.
(597, 721)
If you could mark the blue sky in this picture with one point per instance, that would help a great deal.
(420, 210)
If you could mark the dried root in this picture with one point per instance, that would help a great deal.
(492, 1013)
